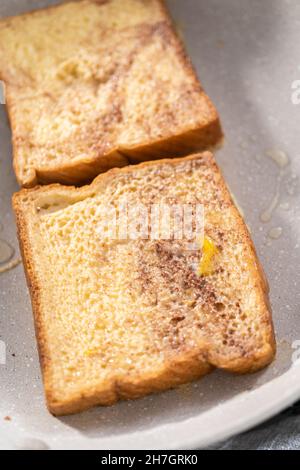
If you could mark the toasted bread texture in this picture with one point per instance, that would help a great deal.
(121, 318)
(96, 84)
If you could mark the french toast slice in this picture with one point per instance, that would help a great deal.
(97, 84)
(121, 317)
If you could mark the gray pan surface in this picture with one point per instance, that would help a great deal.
(247, 57)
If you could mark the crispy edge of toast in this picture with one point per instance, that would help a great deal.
(184, 368)
(207, 137)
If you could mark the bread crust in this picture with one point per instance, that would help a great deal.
(185, 367)
(80, 171)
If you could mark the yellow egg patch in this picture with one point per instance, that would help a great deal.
(209, 252)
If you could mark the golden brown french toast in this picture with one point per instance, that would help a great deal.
(96, 84)
(121, 317)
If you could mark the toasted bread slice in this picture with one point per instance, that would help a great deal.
(92, 85)
(121, 318)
